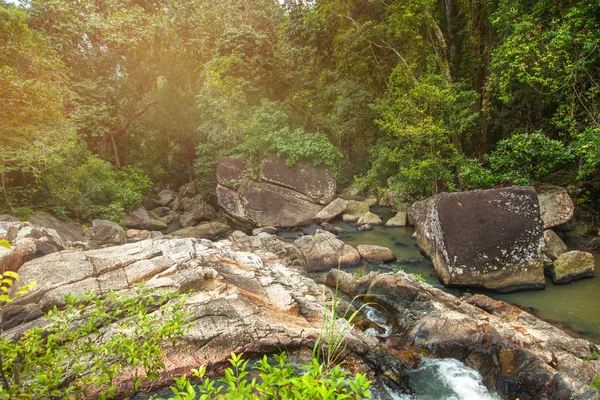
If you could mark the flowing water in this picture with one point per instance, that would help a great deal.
(574, 307)
(445, 379)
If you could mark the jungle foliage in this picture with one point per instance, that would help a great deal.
(419, 96)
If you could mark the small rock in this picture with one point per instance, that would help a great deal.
(8, 218)
(399, 220)
(327, 226)
(138, 218)
(363, 228)
(161, 211)
(324, 251)
(165, 198)
(571, 266)
(197, 213)
(167, 219)
(414, 236)
(208, 230)
(311, 229)
(267, 229)
(556, 206)
(349, 218)
(105, 232)
(188, 190)
(157, 225)
(376, 254)
(331, 211)
(176, 206)
(371, 201)
(358, 208)
(136, 235)
(370, 219)
(337, 231)
(554, 245)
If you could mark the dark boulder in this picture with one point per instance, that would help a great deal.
(487, 238)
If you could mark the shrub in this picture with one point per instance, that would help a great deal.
(526, 158)
(75, 353)
(92, 189)
(280, 381)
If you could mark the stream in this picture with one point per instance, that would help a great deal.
(571, 307)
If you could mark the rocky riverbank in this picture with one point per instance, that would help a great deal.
(252, 294)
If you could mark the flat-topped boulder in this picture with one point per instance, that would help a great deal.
(314, 181)
(487, 238)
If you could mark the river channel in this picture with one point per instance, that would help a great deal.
(574, 307)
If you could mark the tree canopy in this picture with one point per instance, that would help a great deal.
(418, 96)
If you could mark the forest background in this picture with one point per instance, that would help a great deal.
(103, 100)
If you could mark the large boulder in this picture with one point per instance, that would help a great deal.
(376, 254)
(332, 210)
(571, 266)
(314, 181)
(556, 206)
(197, 213)
(105, 233)
(188, 190)
(488, 238)
(287, 196)
(264, 204)
(324, 251)
(235, 302)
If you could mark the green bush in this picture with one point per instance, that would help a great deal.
(280, 381)
(74, 353)
(92, 189)
(524, 159)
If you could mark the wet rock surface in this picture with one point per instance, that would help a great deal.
(488, 238)
(517, 354)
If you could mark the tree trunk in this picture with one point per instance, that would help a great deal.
(117, 162)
